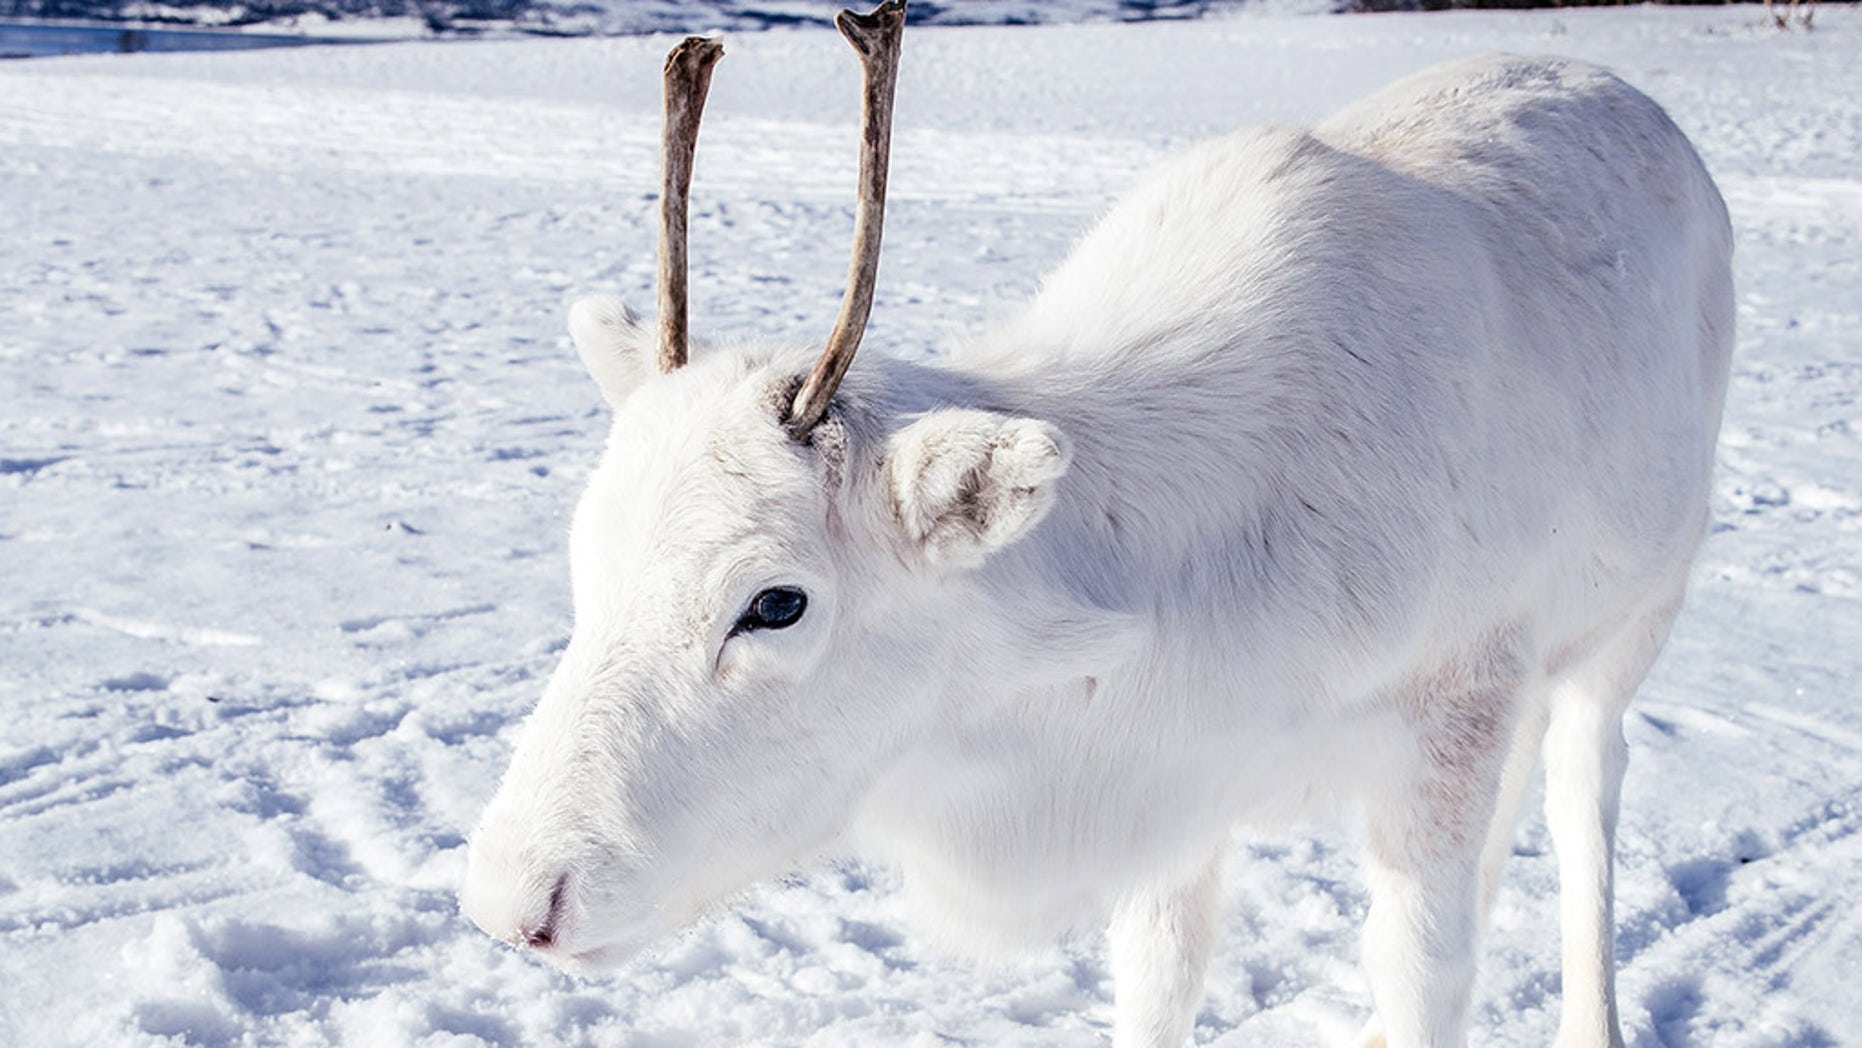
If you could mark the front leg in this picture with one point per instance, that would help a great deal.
(1161, 940)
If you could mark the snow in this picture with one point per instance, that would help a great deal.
(290, 434)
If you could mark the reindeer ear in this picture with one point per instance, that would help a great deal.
(966, 483)
(613, 344)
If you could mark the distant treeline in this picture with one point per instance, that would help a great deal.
(437, 13)
(610, 16)
(1510, 5)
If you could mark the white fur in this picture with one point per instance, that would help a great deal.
(1335, 464)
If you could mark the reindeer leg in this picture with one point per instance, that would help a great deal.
(1161, 940)
(1522, 760)
(1585, 757)
(1425, 839)
(1584, 762)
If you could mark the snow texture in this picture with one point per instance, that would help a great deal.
(289, 433)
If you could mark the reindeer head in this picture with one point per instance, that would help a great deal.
(770, 573)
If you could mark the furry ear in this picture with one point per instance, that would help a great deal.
(966, 483)
(614, 346)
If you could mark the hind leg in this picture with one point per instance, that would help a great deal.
(1584, 762)
(1425, 837)
(1585, 757)
(1422, 865)
(1160, 940)
(1522, 760)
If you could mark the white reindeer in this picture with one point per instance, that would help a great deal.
(1783, 20)
(1342, 464)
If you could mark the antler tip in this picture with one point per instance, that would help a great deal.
(697, 50)
(851, 22)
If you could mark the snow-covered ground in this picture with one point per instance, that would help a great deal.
(289, 433)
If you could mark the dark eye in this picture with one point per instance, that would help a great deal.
(773, 609)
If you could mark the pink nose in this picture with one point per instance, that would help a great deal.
(541, 934)
(503, 895)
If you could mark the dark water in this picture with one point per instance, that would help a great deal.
(34, 39)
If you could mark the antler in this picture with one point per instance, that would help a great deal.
(688, 78)
(876, 36)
